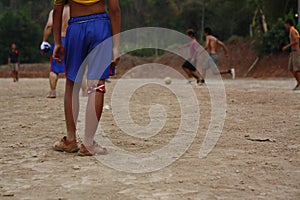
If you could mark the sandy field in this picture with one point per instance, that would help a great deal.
(256, 157)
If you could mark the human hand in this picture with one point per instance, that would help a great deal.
(284, 48)
(58, 53)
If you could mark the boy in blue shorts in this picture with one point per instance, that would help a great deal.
(55, 67)
(88, 42)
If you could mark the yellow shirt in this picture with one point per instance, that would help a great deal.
(83, 2)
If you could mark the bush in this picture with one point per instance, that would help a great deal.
(274, 39)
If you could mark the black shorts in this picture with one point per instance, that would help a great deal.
(189, 66)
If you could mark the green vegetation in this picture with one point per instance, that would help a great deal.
(22, 21)
(18, 28)
(274, 39)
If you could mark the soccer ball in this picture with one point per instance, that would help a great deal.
(168, 80)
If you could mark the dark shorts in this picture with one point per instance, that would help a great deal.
(89, 44)
(189, 66)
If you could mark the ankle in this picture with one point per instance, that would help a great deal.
(71, 138)
(88, 143)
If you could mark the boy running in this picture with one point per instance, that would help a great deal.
(189, 65)
(89, 26)
(212, 44)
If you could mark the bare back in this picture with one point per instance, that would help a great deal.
(212, 44)
(78, 9)
(294, 40)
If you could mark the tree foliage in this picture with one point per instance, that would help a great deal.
(22, 21)
(274, 39)
(18, 28)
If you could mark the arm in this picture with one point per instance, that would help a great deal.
(45, 46)
(224, 48)
(294, 41)
(194, 56)
(207, 43)
(184, 46)
(48, 27)
(59, 52)
(115, 16)
(179, 48)
(19, 60)
(9, 59)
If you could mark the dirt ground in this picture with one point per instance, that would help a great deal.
(237, 168)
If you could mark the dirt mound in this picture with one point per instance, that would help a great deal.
(242, 57)
(271, 66)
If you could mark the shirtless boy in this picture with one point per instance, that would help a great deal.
(294, 61)
(89, 26)
(212, 44)
(55, 67)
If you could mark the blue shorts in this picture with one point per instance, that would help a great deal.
(57, 67)
(89, 44)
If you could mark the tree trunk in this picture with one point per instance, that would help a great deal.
(298, 11)
(13, 5)
(202, 22)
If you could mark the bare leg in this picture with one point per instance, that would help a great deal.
(93, 115)
(71, 108)
(17, 75)
(225, 72)
(53, 77)
(14, 75)
(204, 73)
(230, 71)
(188, 72)
(83, 86)
(297, 76)
(197, 75)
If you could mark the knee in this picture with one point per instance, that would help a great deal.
(53, 75)
(100, 88)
